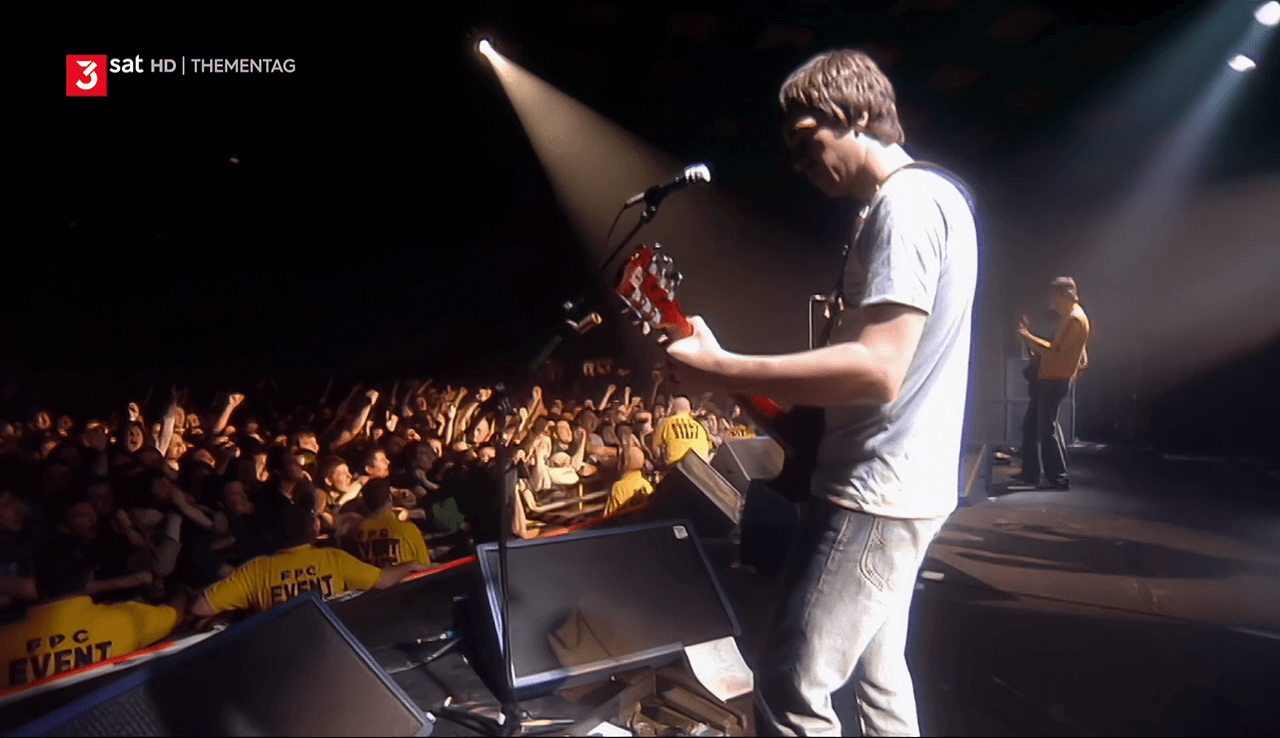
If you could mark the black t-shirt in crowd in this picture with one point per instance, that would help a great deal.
(108, 554)
(17, 552)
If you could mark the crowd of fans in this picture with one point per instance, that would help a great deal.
(116, 531)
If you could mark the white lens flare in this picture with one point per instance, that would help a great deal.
(1268, 14)
(1241, 63)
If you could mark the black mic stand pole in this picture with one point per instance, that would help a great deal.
(646, 217)
(513, 717)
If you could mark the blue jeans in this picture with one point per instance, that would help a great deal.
(844, 614)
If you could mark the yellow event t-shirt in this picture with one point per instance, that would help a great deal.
(386, 541)
(633, 484)
(273, 580)
(683, 432)
(67, 635)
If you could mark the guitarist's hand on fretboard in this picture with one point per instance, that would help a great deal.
(698, 358)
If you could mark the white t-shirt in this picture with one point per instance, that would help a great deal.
(918, 247)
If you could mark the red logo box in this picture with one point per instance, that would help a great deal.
(86, 75)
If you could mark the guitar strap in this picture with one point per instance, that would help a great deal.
(837, 296)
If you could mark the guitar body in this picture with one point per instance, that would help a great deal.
(647, 284)
(799, 431)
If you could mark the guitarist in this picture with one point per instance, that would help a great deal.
(893, 380)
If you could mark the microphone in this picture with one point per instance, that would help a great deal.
(697, 173)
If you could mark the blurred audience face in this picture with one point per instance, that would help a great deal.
(395, 444)
(339, 479)
(65, 425)
(480, 433)
(290, 468)
(13, 512)
(379, 467)
(634, 460)
(564, 432)
(57, 479)
(82, 520)
(40, 421)
(424, 455)
(134, 438)
(235, 501)
(103, 498)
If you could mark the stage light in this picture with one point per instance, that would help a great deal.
(1241, 63)
(1268, 14)
(485, 47)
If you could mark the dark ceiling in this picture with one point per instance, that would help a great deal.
(984, 78)
(390, 215)
(992, 89)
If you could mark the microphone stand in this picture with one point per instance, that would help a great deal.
(650, 210)
(513, 716)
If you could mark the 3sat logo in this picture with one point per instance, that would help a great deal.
(86, 75)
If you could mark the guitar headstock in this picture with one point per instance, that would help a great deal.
(647, 285)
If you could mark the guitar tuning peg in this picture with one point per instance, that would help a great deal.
(645, 328)
(657, 246)
(676, 279)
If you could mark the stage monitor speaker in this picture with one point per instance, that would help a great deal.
(693, 490)
(743, 460)
(587, 605)
(293, 670)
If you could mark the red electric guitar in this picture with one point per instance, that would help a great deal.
(647, 283)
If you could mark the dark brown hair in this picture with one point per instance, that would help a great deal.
(840, 86)
(1066, 285)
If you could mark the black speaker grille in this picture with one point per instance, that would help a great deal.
(135, 713)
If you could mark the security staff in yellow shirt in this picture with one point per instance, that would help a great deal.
(67, 631)
(298, 568)
(632, 486)
(384, 540)
(681, 433)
